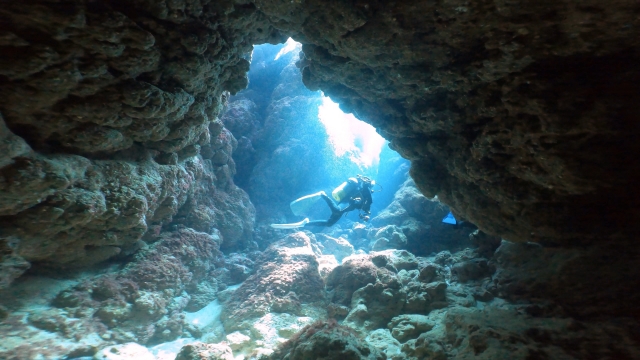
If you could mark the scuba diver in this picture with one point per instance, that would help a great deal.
(355, 192)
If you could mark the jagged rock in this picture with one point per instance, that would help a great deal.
(502, 332)
(202, 294)
(382, 340)
(419, 220)
(11, 267)
(202, 351)
(388, 237)
(490, 126)
(326, 340)
(326, 264)
(460, 296)
(395, 259)
(355, 272)
(373, 305)
(430, 272)
(338, 312)
(485, 243)
(405, 327)
(406, 277)
(525, 125)
(144, 299)
(473, 269)
(286, 278)
(443, 258)
(418, 298)
(338, 247)
(95, 97)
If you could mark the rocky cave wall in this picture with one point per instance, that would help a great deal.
(519, 115)
(105, 107)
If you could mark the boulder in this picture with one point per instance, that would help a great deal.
(326, 340)
(338, 247)
(406, 327)
(355, 272)
(202, 351)
(373, 305)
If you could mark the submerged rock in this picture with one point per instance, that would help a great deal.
(126, 351)
(414, 222)
(338, 247)
(355, 272)
(326, 340)
(283, 295)
(202, 351)
(145, 300)
(531, 271)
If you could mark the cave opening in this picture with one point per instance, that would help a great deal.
(293, 141)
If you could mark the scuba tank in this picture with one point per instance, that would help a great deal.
(345, 189)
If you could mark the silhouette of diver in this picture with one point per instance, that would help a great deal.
(356, 192)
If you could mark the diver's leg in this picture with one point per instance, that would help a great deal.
(322, 223)
(332, 205)
(335, 216)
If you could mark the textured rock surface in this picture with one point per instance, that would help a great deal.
(109, 103)
(340, 247)
(144, 302)
(503, 332)
(354, 273)
(326, 340)
(202, 351)
(283, 295)
(496, 119)
(584, 282)
(419, 220)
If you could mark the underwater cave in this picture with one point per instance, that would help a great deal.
(270, 179)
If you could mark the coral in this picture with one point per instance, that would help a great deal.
(395, 260)
(102, 119)
(525, 126)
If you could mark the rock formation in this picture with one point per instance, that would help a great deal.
(519, 115)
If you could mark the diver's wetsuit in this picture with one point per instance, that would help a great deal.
(362, 202)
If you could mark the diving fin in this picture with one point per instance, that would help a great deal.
(450, 219)
(301, 206)
(291, 226)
